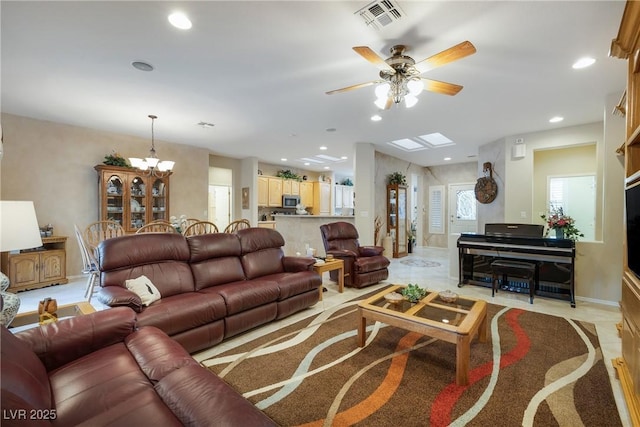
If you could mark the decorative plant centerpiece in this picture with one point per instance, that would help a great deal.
(287, 174)
(563, 225)
(396, 178)
(413, 293)
(116, 159)
(348, 182)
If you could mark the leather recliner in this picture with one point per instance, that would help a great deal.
(363, 265)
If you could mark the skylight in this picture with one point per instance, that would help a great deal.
(407, 144)
(436, 139)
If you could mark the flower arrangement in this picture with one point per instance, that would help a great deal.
(179, 223)
(115, 159)
(288, 174)
(396, 178)
(563, 224)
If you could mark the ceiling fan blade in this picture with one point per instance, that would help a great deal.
(374, 58)
(348, 88)
(389, 103)
(454, 53)
(441, 87)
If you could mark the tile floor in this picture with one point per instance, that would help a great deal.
(409, 269)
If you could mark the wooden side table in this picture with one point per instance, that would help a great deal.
(334, 264)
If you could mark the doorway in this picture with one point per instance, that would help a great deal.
(220, 197)
(463, 212)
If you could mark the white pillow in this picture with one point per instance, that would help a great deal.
(143, 287)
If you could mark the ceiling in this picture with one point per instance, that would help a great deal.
(259, 72)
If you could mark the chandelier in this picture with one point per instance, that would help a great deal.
(152, 166)
(398, 87)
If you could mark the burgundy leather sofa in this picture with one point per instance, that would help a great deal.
(213, 286)
(99, 369)
(363, 265)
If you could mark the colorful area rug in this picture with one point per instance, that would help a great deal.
(535, 370)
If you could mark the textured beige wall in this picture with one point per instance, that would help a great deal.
(52, 164)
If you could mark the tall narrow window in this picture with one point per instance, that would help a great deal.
(436, 209)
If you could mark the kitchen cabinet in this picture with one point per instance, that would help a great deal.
(306, 194)
(130, 197)
(321, 198)
(397, 218)
(37, 268)
(290, 187)
(344, 196)
(270, 191)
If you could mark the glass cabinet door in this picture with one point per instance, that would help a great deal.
(115, 199)
(159, 200)
(397, 219)
(138, 202)
(402, 221)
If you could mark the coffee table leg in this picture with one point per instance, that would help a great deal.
(482, 332)
(362, 328)
(462, 359)
(341, 279)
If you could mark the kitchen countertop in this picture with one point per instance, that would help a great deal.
(311, 216)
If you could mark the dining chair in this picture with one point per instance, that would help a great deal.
(200, 227)
(98, 231)
(89, 264)
(236, 225)
(157, 227)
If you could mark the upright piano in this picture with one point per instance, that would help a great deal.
(554, 259)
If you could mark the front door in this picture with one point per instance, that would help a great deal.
(463, 216)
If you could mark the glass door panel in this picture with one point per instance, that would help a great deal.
(138, 202)
(159, 200)
(114, 197)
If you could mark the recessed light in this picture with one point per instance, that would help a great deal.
(583, 63)
(376, 118)
(142, 66)
(180, 20)
(307, 163)
(344, 157)
(323, 147)
(331, 129)
(447, 158)
(556, 119)
(284, 159)
(327, 167)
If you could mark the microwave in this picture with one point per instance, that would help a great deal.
(290, 201)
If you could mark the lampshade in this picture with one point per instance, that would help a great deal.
(19, 227)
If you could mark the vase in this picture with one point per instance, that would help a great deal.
(559, 233)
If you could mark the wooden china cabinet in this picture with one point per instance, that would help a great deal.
(130, 197)
(627, 46)
(397, 219)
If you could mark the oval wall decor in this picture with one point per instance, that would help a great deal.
(486, 188)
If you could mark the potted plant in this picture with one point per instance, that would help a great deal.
(115, 159)
(396, 178)
(288, 174)
(413, 293)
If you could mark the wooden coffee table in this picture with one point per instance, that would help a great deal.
(456, 322)
(330, 265)
(32, 318)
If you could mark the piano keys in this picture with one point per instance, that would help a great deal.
(554, 259)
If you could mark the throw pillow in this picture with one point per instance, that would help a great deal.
(143, 287)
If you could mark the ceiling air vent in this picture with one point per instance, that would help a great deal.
(380, 14)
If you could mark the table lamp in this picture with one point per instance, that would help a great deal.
(19, 229)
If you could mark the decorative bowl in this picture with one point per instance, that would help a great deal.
(448, 296)
(394, 297)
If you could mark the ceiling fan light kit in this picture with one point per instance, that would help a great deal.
(400, 78)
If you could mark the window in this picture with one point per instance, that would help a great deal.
(436, 209)
(576, 195)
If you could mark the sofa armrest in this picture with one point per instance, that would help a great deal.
(371, 250)
(342, 253)
(61, 342)
(117, 296)
(296, 263)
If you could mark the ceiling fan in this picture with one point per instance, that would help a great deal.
(400, 74)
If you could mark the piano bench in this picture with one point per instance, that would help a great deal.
(504, 269)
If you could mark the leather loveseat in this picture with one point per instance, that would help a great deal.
(99, 369)
(212, 286)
